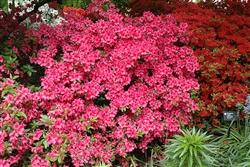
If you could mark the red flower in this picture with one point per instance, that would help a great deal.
(201, 125)
(53, 4)
(78, 12)
(205, 113)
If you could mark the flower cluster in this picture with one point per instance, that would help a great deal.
(112, 84)
(76, 13)
(218, 34)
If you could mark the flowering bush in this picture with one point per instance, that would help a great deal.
(218, 35)
(112, 84)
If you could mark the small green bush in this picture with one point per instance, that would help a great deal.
(190, 149)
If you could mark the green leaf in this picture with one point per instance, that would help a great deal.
(59, 160)
(34, 124)
(21, 114)
(8, 107)
(34, 88)
(191, 151)
(45, 117)
(89, 128)
(29, 73)
(185, 149)
(4, 5)
(13, 77)
(177, 154)
(183, 159)
(190, 161)
(9, 89)
(94, 119)
(102, 53)
(46, 144)
(139, 134)
(28, 69)
(51, 159)
(198, 160)
(216, 50)
(123, 109)
(207, 157)
(13, 91)
(105, 6)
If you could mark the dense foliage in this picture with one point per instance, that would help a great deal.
(111, 84)
(187, 149)
(219, 36)
(15, 47)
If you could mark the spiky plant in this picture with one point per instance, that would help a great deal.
(190, 149)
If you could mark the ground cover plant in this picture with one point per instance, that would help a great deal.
(220, 40)
(191, 148)
(233, 140)
(110, 85)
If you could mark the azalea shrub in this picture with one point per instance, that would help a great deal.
(218, 33)
(112, 85)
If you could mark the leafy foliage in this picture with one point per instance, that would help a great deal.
(234, 149)
(4, 5)
(234, 142)
(190, 149)
(76, 3)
